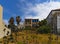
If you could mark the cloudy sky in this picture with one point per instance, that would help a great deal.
(28, 8)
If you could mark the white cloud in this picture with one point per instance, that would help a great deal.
(42, 9)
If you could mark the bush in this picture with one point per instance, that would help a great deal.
(44, 29)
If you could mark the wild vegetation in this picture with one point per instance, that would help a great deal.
(40, 35)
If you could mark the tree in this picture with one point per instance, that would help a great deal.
(42, 22)
(11, 24)
(11, 21)
(18, 19)
(44, 29)
(13, 28)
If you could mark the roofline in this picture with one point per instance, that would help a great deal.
(51, 12)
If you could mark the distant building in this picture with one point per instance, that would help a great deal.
(53, 20)
(32, 23)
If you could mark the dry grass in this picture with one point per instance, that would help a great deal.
(33, 38)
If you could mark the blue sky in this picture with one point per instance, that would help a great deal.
(28, 8)
(16, 7)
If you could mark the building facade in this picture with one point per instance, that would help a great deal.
(33, 23)
(53, 20)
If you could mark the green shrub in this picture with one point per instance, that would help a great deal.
(44, 29)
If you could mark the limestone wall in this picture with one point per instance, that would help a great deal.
(2, 27)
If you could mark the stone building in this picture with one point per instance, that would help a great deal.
(31, 23)
(2, 25)
(53, 20)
